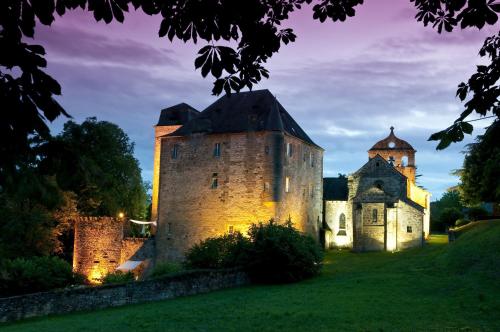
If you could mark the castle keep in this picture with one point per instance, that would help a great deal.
(244, 160)
(240, 161)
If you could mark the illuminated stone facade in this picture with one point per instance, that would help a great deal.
(100, 247)
(379, 207)
(243, 160)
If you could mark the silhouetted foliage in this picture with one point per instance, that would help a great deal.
(449, 200)
(449, 216)
(254, 26)
(281, 254)
(36, 274)
(100, 168)
(475, 213)
(224, 251)
(118, 277)
(480, 176)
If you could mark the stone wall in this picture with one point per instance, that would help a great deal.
(333, 211)
(159, 132)
(97, 246)
(251, 172)
(92, 298)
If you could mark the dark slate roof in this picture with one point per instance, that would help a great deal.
(335, 189)
(399, 144)
(177, 115)
(256, 110)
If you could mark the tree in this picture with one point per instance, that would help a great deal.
(100, 168)
(450, 200)
(255, 26)
(480, 176)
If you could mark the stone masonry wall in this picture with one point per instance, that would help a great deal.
(97, 246)
(333, 210)
(250, 172)
(92, 298)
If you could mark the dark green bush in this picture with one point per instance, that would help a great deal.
(280, 254)
(273, 253)
(449, 216)
(118, 277)
(218, 252)
(36, 274)
(476, 213)
(461, 222)
(164, 269)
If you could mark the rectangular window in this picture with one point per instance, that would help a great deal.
(311, 190)
(374, 215)
(175, 151)
(289, 149)
(311, 159)
(230, 229)
(267, 187)
(217, 150)
(215, 183)
(287, 184)
(409, 229)
(266, 149)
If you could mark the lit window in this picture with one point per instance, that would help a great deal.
(230, 229)
(217, 150)
(215, 183)
(267, 187)
(409, 229)
(374, 215)
(289, 149)
(175, 151)
(287, 184)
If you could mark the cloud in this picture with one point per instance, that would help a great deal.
(73, 45)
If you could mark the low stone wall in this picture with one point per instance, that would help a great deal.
(91, 298)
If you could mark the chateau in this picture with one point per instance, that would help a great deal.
(244, 159)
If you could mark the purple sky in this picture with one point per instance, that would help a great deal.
(344, 83)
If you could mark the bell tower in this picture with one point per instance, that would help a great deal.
(398, 152)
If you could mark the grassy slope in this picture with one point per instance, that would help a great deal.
(411, 290)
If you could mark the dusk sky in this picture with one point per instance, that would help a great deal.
(344, 83)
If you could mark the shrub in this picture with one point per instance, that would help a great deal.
(450, 215)
(218, 252)
(280, 254)
(36, 274)
(118, 277)
(461, 222)
(165, 269)
(476, 213)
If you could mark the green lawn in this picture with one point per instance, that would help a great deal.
(414, 290)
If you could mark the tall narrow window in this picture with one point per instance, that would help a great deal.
(217, 150)
(311, 190)
(175, 151)
(215, 183)
(374, 216)
(342, 225)
(311, 159)
(289, 149)
(267, 187)
(287, 184)
(230, 229)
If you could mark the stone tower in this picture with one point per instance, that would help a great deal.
(398, 152)
(171, 119)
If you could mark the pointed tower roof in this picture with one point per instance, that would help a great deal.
(392, 142)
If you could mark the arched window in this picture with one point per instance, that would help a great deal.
(342, 225)
(374, 215)
(379, 184)
(404, 161)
